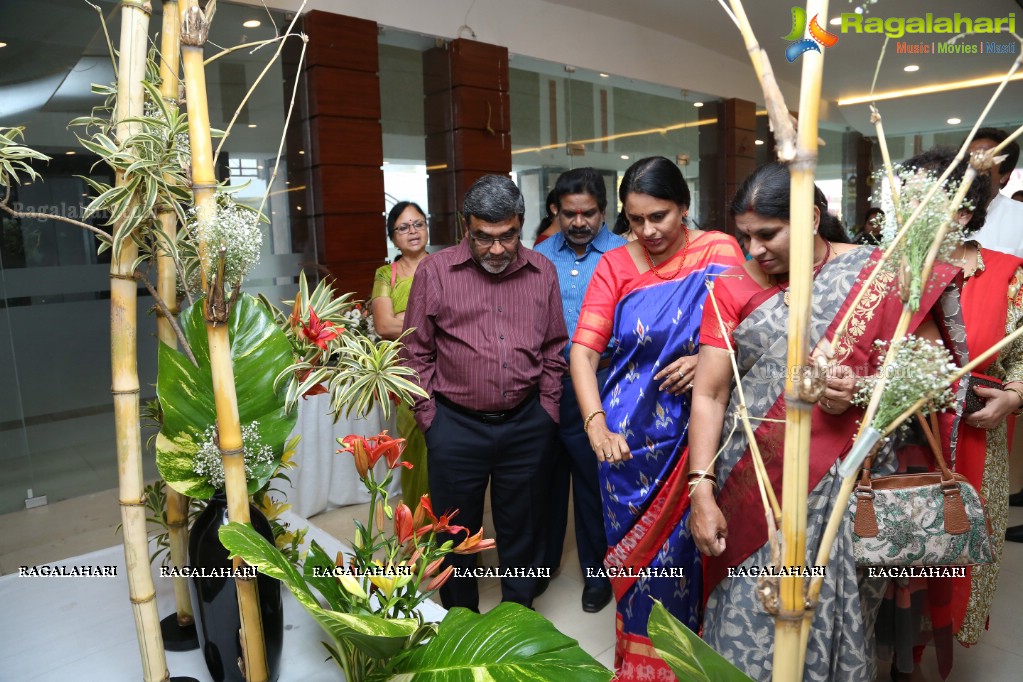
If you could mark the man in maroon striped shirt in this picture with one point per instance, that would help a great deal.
(487, 341)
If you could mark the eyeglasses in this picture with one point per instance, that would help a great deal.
(487, 240)
(405, 228)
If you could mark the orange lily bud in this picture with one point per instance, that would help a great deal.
(403, 523)
(361, 458)
(439, 581)
(432, 567)
(380, 518)
(474, 544)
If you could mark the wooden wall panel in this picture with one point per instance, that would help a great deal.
(342, 42)
(343, 92)
(468, 119)
(344, 149)
(349, 142)
(349, 189)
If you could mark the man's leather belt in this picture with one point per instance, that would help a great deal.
(488, 417)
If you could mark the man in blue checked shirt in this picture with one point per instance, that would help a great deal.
(581, 199)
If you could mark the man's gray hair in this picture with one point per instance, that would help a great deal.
(493, 199)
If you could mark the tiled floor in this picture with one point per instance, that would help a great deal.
(73, 527)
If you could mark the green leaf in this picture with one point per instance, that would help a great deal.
(688, 656)
(375, 636)
(259, 351)
(508, 644)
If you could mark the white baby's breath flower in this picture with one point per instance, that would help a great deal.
(231, 231)
(209, 464)
(920, 368)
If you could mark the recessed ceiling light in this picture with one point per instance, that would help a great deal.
(758, 142)
(71, 152)
(252, 23)
(299, 207)
(954, 121)
(911, 68)
(697, 104)
(301, 151)
(2, 44)
(625, 157)
(836, 21)
(604, 75)
(252, 125)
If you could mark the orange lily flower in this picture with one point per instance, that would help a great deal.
(475, 544)
(368, 451)
(438, 525)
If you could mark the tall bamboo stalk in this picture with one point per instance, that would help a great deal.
(789, 655)
(123, 349)
(177, 504)
(194, 31)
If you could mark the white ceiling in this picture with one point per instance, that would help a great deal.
(850, 64)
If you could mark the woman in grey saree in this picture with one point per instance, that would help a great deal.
(731, 529)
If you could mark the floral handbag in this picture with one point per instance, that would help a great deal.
(928, 519)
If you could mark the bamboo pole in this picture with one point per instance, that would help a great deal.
(788, 653)
(131, 71)
(177, 504)
(194, 31)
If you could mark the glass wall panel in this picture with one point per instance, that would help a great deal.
(56, 420)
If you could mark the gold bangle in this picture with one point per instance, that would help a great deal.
(1019, 410)
(589, 417)
(701, 473)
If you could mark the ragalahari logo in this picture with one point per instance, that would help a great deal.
(818, 36)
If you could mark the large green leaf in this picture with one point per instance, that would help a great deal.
(508, 644)
(375, 636)
(688, 656)
(260, 351)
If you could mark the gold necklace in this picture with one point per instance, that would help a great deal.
(681, 261)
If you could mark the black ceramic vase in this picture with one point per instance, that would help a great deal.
(216, 598)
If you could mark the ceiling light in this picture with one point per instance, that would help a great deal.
(252, 125)
(71, 153)
(927, 89)
(252, 23)
(954, 121)
(911, 68)
(301, 151)
(837, 21)
(758, 142)
(697, 104)
(299, 207)
(625, 157)
(604, 75)
(3, 44)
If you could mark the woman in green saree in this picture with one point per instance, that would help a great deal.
(406, 226)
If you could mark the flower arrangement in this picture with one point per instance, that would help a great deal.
(911, 253)
(333, 352)
(373, 593)
(919, 368)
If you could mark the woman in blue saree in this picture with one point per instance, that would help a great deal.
(645, 300)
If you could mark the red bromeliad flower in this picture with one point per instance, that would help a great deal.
(368, 451)
(320, 332)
